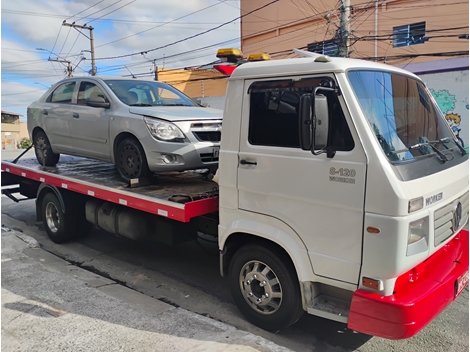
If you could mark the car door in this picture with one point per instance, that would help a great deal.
(319, 197)
(90, 125)
(57, 117)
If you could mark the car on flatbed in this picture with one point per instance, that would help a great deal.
(141, 126)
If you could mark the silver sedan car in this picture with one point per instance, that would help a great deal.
(140, 126)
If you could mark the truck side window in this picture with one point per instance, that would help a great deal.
(274, 107)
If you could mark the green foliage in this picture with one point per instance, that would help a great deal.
(25, 143)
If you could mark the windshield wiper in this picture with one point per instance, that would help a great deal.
(447, 140)
(141, 104)
(429, 144)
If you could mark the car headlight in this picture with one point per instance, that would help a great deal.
(418, 236)
(164, 130)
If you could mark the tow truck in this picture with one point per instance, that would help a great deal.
(342, 192)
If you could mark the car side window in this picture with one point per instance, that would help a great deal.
(63, 93)
(274, 109)
(88, 89)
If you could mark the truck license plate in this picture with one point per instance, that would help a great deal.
(215, 152)
(461, 283)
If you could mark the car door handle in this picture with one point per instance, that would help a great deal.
(44, 112)
(246, 162)
(75, 115)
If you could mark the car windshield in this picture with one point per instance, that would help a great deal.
(402, 115)
(148, 93)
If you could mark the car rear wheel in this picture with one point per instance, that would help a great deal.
(43, 150)
(130, 160)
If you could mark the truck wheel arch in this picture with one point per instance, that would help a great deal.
(273, 237)
(42, 191)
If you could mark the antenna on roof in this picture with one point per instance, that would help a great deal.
(318, 57)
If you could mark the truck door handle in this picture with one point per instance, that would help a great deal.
(45, 112)
(246, 162)
(75, 115)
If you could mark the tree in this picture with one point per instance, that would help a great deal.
(25, 143)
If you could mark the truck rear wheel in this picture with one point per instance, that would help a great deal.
(60, 226)
(265, 287)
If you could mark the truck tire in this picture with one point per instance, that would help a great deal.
(130, 160)
(265, 288)
(42, 148)
(60, 226)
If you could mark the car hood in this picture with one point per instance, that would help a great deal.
(177, 113)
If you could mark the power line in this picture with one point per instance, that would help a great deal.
(190, 37)
(192, 13)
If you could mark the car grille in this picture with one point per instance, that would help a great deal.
(444, 219)
(208, 157)
(205, 136)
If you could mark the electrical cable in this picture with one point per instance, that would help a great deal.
(190, 37)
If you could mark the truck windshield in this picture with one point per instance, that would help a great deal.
(402, 115)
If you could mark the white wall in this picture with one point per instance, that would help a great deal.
(450, 89)
(213, 102)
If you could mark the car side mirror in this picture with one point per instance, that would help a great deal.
(97, 102)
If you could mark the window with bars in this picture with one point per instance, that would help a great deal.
(329, 47)
(410, 34)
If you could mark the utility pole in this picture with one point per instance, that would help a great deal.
(92, 50)
(155, 68)
(69, 65)
(345, 28)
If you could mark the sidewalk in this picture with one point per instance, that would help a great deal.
(50, 305)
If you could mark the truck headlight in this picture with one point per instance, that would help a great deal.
(418, 236)
(164, 130)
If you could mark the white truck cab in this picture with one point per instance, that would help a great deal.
(343, 193)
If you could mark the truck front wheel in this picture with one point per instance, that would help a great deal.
(60, 226)
(265, 287)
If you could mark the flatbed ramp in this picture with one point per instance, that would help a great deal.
(179, 196)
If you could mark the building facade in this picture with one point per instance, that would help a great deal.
(426, 37)
(12, 130)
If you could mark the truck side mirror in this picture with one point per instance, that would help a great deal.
(320, 123)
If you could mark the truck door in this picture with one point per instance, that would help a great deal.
(320, 198)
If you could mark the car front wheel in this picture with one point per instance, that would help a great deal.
(131, 161)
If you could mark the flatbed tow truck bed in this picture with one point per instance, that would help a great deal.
(180, 196)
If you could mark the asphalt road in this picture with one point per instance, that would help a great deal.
(188, 276)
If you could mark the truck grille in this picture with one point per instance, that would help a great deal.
(444, 219)
(212, 136)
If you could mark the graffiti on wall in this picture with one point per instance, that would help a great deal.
(446, 102)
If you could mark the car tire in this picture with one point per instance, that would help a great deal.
(59, 225)
(265, 288)
(130, 160)
(42, 148)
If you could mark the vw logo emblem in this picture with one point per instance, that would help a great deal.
(457, 216)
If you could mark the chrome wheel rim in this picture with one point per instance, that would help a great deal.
(52, 217)
(260, 287)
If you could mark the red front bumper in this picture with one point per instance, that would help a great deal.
(419, 296)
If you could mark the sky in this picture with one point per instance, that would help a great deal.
(143, 31)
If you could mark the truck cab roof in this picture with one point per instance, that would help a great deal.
(301, 66)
